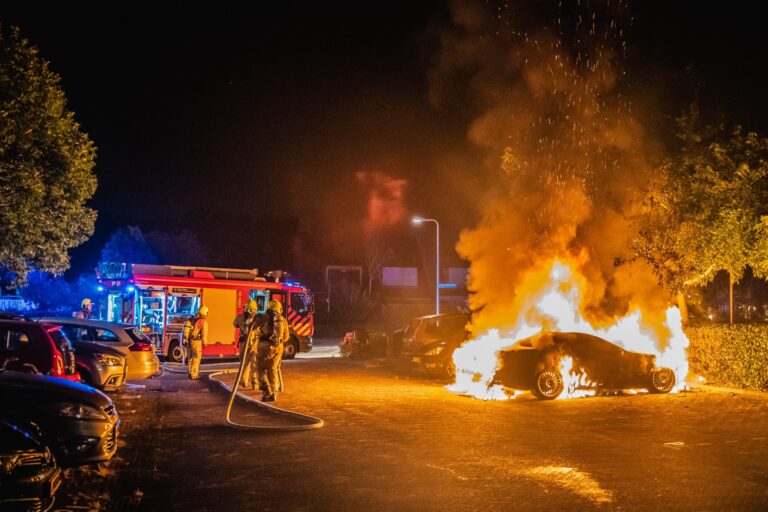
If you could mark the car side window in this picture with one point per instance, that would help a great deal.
(104, 335)
(11, 340)
(76, 332)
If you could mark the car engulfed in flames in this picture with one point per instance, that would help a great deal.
(550, 363)
(551, 348)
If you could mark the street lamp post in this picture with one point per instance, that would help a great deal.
(420, 220)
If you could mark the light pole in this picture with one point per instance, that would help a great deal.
(420, 220)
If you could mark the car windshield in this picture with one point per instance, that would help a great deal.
(138, 336)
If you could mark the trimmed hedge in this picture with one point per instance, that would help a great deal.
(734, 355)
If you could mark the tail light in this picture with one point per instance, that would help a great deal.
(58, 365)
(141, 347)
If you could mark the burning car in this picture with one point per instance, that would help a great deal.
(545, 362)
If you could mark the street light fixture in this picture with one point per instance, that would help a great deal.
(421, 220)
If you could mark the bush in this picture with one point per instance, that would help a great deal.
(730, 354)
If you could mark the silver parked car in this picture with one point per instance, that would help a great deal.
(128, 339)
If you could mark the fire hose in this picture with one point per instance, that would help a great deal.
(311, 422)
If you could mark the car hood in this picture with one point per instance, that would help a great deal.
(41, 388)
(14, 438)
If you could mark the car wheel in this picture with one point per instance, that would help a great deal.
(291, 349)
(175, 352)
(548, 385)
(450, 370)
(662, 380)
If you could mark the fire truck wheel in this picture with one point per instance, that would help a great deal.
(548, 385)
(662, 380)
(291, 349)
(175, 352)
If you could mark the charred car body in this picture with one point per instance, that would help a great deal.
(79, 423)
(534, 364)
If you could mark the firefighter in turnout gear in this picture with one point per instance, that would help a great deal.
(246, 322)
(272, 335)
(195, 338)
(86, 310)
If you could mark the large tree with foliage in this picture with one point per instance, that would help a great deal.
(708, 209)
(46, 165)
(127, 245)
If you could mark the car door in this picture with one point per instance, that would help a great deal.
(23, 350)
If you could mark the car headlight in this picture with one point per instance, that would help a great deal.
(108, 360)
(434, 351)
(76, 411)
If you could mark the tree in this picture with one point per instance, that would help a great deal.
(708, 209)
(177, 248)
(376, 256)
(46, 165)
(127, 245)
(51, 294)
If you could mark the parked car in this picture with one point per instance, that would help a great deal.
(429, 341)
(534, 364)
(99, 366)
(29, 475)
(79, 423)
(437, 356)
(36, 347)
(142, 362)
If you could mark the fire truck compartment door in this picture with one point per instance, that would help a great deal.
(222, 306)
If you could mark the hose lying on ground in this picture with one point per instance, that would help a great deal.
(311, 423)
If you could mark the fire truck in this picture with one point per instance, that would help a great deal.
(160, 298)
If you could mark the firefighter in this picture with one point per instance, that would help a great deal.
(195, 338)
(86, 308)
(246, 322)
(272, 334)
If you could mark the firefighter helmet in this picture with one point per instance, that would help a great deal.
(203, 311)
(276, 306)
(251, 304)
(86, 302)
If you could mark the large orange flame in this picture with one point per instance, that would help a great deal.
(551, 297)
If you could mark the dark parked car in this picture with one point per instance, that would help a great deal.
(141, 360)
(79, 423)
(429, 341)
(99, 366)
(534, 364)
(29, 475)
(34, 347)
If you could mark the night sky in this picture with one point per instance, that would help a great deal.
(224, 119)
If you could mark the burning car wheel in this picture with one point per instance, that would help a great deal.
(549, 385)
(662, 380)
(450, 370)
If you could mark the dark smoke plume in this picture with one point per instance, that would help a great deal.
(554, 109)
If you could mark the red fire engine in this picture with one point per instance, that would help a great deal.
(160, 298)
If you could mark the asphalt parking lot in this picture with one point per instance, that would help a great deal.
(395, 439)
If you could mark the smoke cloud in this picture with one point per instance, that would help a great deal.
(556, 112)
(385, 201)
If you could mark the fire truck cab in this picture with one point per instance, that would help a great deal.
(160, 298)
